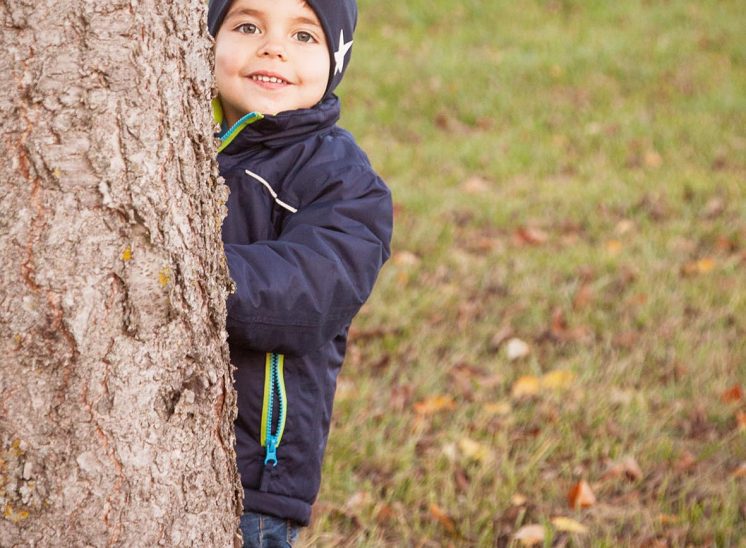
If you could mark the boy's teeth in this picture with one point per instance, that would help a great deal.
(270, 79)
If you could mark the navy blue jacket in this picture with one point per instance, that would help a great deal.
(308, 228)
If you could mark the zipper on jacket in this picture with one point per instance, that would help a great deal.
(274, 387)
(271, 435)
(227, 137)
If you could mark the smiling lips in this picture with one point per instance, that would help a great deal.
(267, 80)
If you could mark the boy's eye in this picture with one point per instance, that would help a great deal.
(303, 36)
(247, 28)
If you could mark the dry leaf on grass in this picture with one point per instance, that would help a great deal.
(734, 394)
(531, 385)
(686, 461)
(583, 297)
(557, 380)
(386, 514)
(475, 185)
(405, 258)
(668, 519)
(530, 535)
(498, 408)
(702, 266)
(613, 247)
(627, 467)
(444, 519)
(434, 404)
(526, 386)
(473, 450)
(653, 159)
(581, 495)
(567, 525)
(741, 420)
(624, 226)
(517, 349)
(560, 330)
(502, 335)
(518, 500)
(527, 235)
(358, 501)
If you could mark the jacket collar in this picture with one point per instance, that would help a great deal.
(281, 130)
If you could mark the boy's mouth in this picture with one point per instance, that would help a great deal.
(268, 78)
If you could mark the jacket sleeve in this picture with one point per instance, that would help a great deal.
(295, 293)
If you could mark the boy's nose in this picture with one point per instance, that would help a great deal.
(272, 48)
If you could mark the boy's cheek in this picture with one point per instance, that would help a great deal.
(226, 65)
(226, 55)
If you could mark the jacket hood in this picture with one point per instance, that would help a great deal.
(338, 18)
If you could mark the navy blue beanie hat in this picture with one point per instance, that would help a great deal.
(338, 18)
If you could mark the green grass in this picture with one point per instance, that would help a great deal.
(617, 129)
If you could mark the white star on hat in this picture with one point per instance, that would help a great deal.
(339, 55)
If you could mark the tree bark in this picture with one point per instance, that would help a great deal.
(116, 398)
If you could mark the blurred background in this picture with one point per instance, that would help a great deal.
(556, 351)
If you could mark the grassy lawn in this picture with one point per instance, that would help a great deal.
(566, 301)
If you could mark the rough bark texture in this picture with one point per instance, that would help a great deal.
(116, 400)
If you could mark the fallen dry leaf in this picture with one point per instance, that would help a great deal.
(461, 479)
(531, 385)
(502, 335)
(434, 404)
(386, 514)
(517, 349)
(567, 525)
(558, 379)
(581, 495)
(518, 500)
(733, 394)
(405, 258)
(499, 408)
(358, 501)
(714, 208)
(473, 450)
(740, 472)
(475, 185)
(444, 519)
(627, 467)
(530, 535)
(686, 462)
(624, 226)
(668, 519)
(741, 420)
(614, 247)
(531, 236)
(560, 330)
(726, 244)
(583, 297)
(702, 266)
(526, 386)
(626, 339)
(653, 159)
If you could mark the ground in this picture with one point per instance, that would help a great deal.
(561, 330)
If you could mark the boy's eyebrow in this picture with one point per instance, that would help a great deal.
(307, 21)
(256, 13)
(243, 11)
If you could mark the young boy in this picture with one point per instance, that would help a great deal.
(308, 229)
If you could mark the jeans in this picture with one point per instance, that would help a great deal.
(261, 531)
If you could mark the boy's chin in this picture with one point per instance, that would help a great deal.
(274, 110)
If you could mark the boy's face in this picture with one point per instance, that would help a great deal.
(270, 56)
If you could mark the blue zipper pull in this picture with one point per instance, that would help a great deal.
(271, 456)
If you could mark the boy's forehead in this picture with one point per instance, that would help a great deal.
(270, 6)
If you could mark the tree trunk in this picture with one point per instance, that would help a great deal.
(116, 399)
